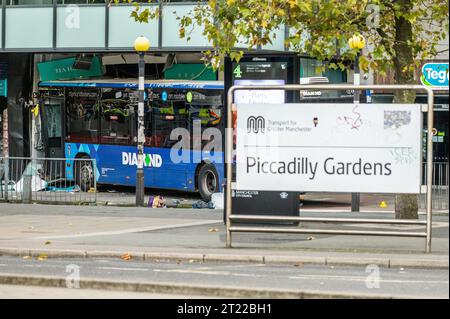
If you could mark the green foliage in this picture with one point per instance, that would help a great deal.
(320, 28)
(141, 13)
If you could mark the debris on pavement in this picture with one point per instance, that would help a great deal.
(156, 202)
(202, 204)
(217, 199)
(126, 256)
(42, 257)
(67, 189)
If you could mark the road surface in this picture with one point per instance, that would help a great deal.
(357, 281)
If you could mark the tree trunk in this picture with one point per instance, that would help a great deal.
(406, 205)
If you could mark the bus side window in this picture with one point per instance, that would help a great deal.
(166, 117)
(115, 113)
(82, 116)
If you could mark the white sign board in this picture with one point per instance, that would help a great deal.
(329, 147)
(259, 96)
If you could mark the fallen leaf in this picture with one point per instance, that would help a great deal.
(42, 257)
(213, 230)
(178, 261)
(191, 261)
(311, 238)
(126, 256)
(298, 265)
(48, 242)
(26, 257)
(31, 227)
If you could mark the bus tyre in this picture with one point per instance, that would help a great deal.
(208, 181)
(84, 174)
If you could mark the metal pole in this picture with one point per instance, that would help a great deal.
(430, 124)
(7, 176)
(95, 179)
(250, 229)
(140, 135)
(229, 165)
(356, 81)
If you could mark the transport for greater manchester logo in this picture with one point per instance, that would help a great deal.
(256, 124)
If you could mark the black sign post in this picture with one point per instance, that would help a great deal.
(260, 69)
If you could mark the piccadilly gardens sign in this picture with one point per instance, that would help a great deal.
(329, 147)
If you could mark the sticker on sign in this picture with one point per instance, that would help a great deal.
(325, 147)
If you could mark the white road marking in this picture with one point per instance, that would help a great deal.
(124, 269)
(243, 266)
(206, 272)
(131, 230)
(192, 271)
(2, 265)
(246, 275)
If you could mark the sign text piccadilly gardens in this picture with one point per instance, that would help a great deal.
(336, 148)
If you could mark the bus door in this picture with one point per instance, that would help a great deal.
(118, 147)
(206, 125)
(52, 126)
(166, 114)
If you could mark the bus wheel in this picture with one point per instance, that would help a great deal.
(208, 181)
(84, 174)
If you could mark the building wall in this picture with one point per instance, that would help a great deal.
(79, 26)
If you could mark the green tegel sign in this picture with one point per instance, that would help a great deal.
(63, 70)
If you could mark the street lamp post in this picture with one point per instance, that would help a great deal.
(356, 42)
(141, 45)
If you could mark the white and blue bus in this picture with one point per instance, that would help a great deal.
(98, 118)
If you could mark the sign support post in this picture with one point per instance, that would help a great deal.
(356, 199)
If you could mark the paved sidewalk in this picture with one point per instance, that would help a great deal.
(39, 292)
(80, 231)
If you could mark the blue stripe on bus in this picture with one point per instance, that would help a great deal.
(116, 165)
(134, 85)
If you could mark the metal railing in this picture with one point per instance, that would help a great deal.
(48, 180)
(230, 217)
(440, 188)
